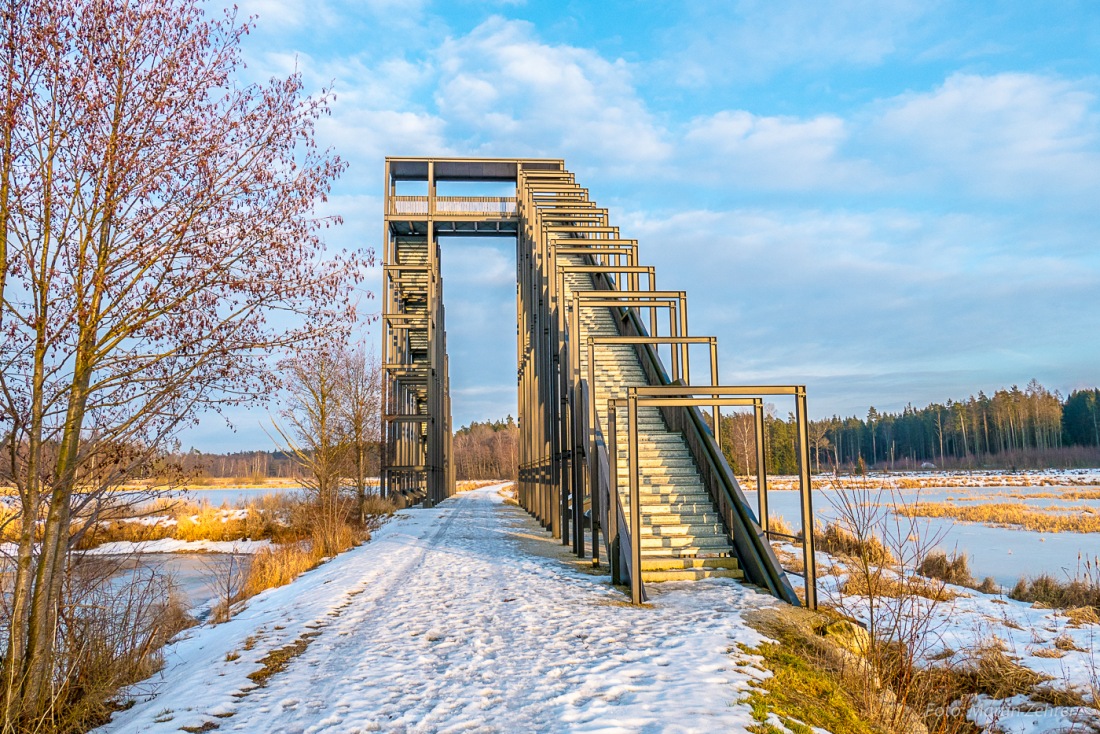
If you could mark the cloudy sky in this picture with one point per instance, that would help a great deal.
(890, 202)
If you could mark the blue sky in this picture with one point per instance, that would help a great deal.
(890, 202)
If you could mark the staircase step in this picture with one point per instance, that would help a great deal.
(685, 552)
(645, 462)
(655, 563)
(683, 542)
(667, 519)
(668, 530)
(693, 574)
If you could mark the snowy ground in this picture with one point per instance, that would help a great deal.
(462, 618)
(171, 545)
(1044, 640)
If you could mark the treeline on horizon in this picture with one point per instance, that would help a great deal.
(245, 466)
(487, 450)
(1029, 428)
(1032, 428)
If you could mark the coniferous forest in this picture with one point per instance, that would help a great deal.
(1032, 428)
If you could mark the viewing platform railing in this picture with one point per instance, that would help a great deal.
(480, 206)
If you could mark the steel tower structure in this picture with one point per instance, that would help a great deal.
(618, 456)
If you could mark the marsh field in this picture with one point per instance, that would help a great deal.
(1010, 525)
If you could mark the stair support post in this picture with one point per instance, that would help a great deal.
(761, 465)
(637, 593)
(809, 558)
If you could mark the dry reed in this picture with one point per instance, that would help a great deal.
(1009, 514)
(839, 541)
(955, 569)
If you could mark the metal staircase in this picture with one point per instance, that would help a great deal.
(616, 456)
(682, 537)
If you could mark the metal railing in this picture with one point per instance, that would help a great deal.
(503, 206)
(753, 549)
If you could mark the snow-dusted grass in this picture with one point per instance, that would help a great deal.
(940, 479)
(447, 621)
(1052, 519)
(1058, 648)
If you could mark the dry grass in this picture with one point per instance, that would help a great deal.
(989, 670)
(955, 569)
(881, 585)
(1086, 520)
(1065, 642)
(279, 565)
(112, 637)
(508, 492)
(276, 661)
(936, 479)
(1090, 494)
(279, 518)
(378, 510)
(1080, 616)
(838, 541)
(1044, 652)
(465, 485)
(1076, 594)
(781, 527)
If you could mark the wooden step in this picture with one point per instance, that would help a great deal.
(691, 574)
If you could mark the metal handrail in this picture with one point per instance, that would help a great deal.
(408, 205)
(505, 206)
(755, 552)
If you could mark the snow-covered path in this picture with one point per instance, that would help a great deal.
(463, 618)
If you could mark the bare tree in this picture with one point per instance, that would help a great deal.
(226, 573)
(154, 216)
(315, 432)
(361, 405)
(819, 441)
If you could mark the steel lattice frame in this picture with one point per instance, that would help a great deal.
(564, 461)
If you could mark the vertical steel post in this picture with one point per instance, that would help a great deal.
(637, 595)
(761, 468)
(808, 557)
(714, 381)
(612, 531)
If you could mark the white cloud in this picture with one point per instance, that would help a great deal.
(365, 136)
(509, 92)
(725, 40)
(1007, 134)
(775, 152)
(283, 14)
(1001, 137)
(828, 293)
(296, 16)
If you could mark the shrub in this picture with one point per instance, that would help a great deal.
(111, 636)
